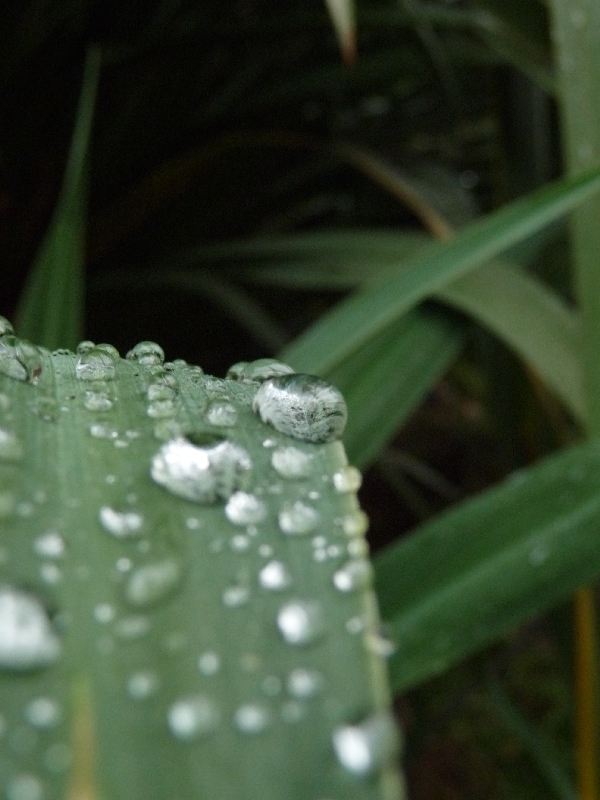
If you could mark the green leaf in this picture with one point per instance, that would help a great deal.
(471, 575)
(51, 308)
(155, 665)
(356, 319)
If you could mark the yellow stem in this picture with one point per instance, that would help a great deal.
(585, 670)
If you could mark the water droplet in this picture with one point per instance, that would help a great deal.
(361, 749)
(302, 406)
(152, 582)
(142, 685)
(160, 409)
(123, 564)
(50, 545)
(161, 377)
(159, 392)
(300, 622)
(95, 365)
(201, 473)
(109, 349)
(235, 596)
(121, 524)
(274, 576)
(251, 718)
(192, 717)
(27, 640)
(380, 643)
(19, 359)
(24, 787)
(304, 683)
(353, 575)
(258, 371)
(5, 327)
(347, 479)
(84, 346)
(97, 401)
(11, 448)
(298, 518)
(43, 712)
(148, 354)
(50, 573)
(358, 548)
(221, 414)
(209, 663)
(104, 613)
(355, 524)
(101, 431)
(291, 463)
(245, 509)
(355, 625)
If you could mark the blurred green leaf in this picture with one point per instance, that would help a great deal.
(342, 15)
(51, 307)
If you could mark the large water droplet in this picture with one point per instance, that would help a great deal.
(152, 582)
(43, 712)
(243, 508)
(5, 327)
(148, 354)
(303, 683)
(50, 545)
(298, 518)
(221, 414)
(291, 463)
(24, 787)
(366, 747)
(121, 524)
(27, 640)
(300, 622)
(353, 575)
(201, 473)
(251, 718)
(258, 371)
(302, 406)
(95, 365)
(347, 479)
(193, 716)
(274, 576)
(19, 359)
(11, 448)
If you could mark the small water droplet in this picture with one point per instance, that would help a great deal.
(300, 622)
(209, 663)
(291, 463)
(265, 550)
(27, 640)
(298, 518)
(304, 683)
(221, 414)
(152, 582)
(192, 717)
(11, 448)
(43, 712)
(142, 685)
(355, 625)
(358, 548)
(274, 576)
(84, 346)
(50, 573)
(361, 749)
(104, 613)
(162, 377)
(100, 430)
(258, 371)
(347, 479)
(243, 508)
(193, 523)
(235, 596)
(302, 406)
(355, 523)
(353, 575)
(121, 524)
(148, 354)
(133, 627)
(24, 787)
(251, 718)
(95, 365)
(202, 473)
(6, 327)
(19, 359)
(123, 564)
(97, 401)
(380, 643)
(50, 545)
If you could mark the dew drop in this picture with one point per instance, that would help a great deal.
(152, 582)
(347, 479)
(84, 346)
(95, 365)
(43, 712)
(158, 391)
(148, 354)
(109, 349)
(161, 377)
(353, 575)
(291, 463)
(104, 613)
(121, 524)
(302, 406)
(298, 518)
(355, 524)
(50, 573)
(11, 448)
(274, 576)
(101, 431)
(27, 640)
(24, 787)
(142, 685)
(19, 359)
(304, 683)
(300, 622)
(209, 663)
(235, 596)
(361, 749)
(201, 473)
(6, 327)
(221, 414)
(192, 717)
(97, 401)
(251, 718)
(243, 508)
(258, 371)
(161, 409)
(381, 644)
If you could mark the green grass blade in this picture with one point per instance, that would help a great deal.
(472, 574)
(167, 604)
(51, 307)
(355, 320)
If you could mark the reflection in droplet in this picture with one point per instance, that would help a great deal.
(243, 508)
(302, 406)
(95, 365)
(27, 640)
(298, 518)
(120, 523)
(301, 622)
(366, 747)
(193, 716)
